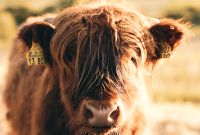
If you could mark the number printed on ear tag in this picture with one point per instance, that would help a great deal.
(166, 51)
(35, 56)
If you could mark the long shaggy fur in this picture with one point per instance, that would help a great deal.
(92, 54)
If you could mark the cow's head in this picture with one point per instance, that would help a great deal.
(97, 56)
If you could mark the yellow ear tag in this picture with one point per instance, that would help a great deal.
(166, 51)
(35, 56)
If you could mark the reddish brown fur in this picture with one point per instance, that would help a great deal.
(48, 99)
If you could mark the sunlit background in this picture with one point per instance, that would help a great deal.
(175, 85)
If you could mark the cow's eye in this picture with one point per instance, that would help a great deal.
(134, 61)
(69, 54)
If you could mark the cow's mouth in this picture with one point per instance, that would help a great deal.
(103, 130)
(99, 131)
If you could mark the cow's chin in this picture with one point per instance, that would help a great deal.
(82, 130)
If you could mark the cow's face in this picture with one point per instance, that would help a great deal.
(97, 56)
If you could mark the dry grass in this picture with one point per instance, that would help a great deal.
(176, 119)
(178, 78)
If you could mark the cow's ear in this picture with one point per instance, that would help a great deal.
(36, 37)
(167, 35)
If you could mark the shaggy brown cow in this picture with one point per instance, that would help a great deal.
(92, 80)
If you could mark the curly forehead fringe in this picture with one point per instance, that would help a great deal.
(100, 40)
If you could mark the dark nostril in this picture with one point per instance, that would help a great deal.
(114, 115)
(88, 113)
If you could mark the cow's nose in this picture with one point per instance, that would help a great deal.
(101, 115)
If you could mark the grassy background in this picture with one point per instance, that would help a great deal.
(174, 80)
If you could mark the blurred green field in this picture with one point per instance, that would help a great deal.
(175, 80)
